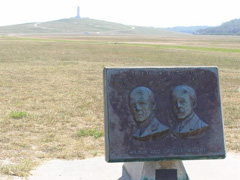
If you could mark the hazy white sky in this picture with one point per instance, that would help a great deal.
(157, 13)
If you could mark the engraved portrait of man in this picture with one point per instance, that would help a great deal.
(143, 105)
(184, 102)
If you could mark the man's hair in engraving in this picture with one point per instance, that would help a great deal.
(187, 90)
(140, 90)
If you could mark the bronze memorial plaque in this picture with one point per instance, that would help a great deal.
(162, 114)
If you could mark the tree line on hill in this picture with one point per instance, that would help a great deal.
(228, 28)
(187, 29)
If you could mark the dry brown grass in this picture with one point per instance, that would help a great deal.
(58, 84)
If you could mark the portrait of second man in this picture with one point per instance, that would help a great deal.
(184, 101)
(143, 105)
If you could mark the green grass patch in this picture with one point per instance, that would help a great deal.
(18, 115)
(195, 48)
(225, 50)
(90, 132)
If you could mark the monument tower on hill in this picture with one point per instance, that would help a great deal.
(78, 13)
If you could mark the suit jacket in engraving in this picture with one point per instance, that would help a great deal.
(191, 126)
(153, 130)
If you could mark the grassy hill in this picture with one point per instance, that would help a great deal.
(82, 27)
(228, 28)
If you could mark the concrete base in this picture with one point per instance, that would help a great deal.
(98, 168)
(147, 170)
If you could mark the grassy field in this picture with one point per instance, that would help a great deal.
(51, 94)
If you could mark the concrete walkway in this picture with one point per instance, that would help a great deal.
(98, 169)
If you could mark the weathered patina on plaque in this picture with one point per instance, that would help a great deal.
(162, 113)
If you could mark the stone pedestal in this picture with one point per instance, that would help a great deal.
(147, 170)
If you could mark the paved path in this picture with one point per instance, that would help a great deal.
(36, 25)
(98, 169)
